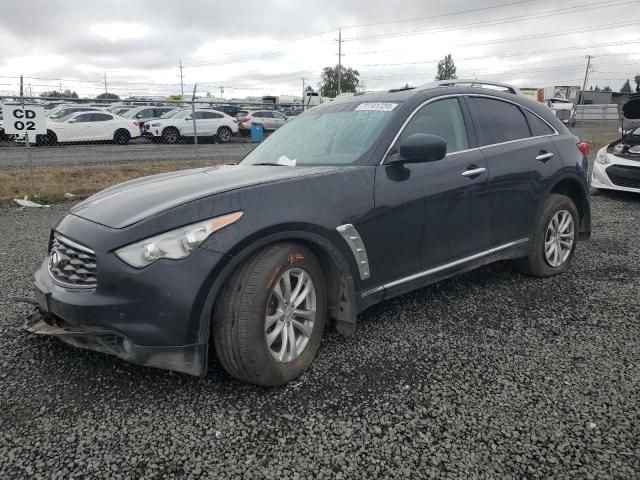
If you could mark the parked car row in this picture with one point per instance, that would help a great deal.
(167, 124)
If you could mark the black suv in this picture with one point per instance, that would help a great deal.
(357, 201)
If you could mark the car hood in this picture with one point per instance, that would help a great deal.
(130, 202)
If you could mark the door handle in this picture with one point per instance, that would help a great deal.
(544, 156)
(474, 172)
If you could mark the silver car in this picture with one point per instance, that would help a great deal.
(269, 119)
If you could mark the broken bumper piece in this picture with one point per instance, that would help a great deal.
(184, 358)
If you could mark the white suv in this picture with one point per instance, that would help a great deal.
(209, 124)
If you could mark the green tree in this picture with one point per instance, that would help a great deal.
(597, 89)
(607, 88)
(446, 69)
(108, 96)
(626, 88)
(349, 81)
(64, 94)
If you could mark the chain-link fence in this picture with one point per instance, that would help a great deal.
(125, 139)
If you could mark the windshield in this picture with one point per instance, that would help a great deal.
(338, 134)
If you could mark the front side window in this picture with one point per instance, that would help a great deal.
(443, 118)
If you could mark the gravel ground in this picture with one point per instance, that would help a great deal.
(489, 375)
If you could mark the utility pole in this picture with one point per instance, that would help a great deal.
(586, 75)
(105, 83)
(181, 82)
(221, 92)
(21, 86)
(60, 85)
(303, 93)
(339, 61)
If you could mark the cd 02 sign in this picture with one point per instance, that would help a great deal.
(20, 120)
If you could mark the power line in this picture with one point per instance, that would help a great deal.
(500, 21)
(485, 57)
(431, 17)
(526, 37)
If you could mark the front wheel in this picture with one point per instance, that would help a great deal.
(554, 240)
(170, 135)
(224, 134)
(269, 320)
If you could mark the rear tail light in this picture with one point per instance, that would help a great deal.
(584, 148)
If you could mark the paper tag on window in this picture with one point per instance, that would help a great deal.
(284, 160)
(376, 107)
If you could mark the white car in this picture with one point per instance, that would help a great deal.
(89, 127)
(617, 166)
(209, 123)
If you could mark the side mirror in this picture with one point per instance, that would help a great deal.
(422, 147)
(187, 118)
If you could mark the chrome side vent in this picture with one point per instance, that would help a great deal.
(353, 239)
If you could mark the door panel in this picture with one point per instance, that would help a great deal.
(429, 213)
(521, 158)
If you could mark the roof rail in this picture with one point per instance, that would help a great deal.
(471, 83)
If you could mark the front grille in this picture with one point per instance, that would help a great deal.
(72, 264)
(624, 176)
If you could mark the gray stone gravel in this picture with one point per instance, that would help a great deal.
(489, 375)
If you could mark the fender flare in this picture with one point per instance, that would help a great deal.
(585, 221)
(344, 309)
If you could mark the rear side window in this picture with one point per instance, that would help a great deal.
(443, 118)
(101, 117)
(538, 126)
(498, 121)
(85, 117)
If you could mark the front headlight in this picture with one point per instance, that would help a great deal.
(603, 158)
(175, 244)
(155, 124)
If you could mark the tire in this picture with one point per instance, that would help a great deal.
(240, 326)
(537, 263)
(170, 135)
(224, 134)
(121, 137)
(48, 139)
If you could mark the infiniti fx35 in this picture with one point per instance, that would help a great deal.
(357, 201)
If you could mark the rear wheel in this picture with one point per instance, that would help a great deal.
(121, 137)
(170, 135)
(269, 320)
(224, 134)
(555, 238)
(47, 139)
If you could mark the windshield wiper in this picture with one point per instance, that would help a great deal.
(273, 164)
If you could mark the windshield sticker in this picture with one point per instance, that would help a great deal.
(376, 107)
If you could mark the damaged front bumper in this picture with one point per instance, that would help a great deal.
(184, 358)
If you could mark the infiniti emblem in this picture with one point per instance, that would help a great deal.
(54, 259)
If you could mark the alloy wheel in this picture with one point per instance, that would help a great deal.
(559, 238)
(290, 315)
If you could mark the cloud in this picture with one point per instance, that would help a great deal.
(269, 47)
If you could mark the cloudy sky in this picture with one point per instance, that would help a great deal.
(268, 47)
